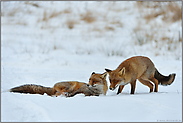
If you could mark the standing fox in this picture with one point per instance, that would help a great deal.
(68, 89)
(141, 68)
(99, 81)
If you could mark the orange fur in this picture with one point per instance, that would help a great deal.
(141, 68)
(67, 89)
(97, 80)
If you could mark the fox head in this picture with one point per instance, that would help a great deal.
(116, 77)
(97, 79)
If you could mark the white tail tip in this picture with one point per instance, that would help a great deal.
(5, 91)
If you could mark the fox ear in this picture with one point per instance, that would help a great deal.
(104, 75)
(108, 70)
(122, 71)
(93, 73)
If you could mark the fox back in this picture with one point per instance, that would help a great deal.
(74, 87)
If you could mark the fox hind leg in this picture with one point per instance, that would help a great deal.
(147, 83)
(58, 93)
(155, 81)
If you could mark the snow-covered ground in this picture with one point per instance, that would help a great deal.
(47, 42)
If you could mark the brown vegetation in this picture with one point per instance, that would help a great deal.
(170, 11)
(70, 23)
(88, 17)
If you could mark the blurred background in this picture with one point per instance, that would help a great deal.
(117, 28)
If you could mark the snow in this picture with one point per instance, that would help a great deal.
(40, 52)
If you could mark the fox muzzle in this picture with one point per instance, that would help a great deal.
(113, 88)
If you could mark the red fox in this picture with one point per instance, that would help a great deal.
(141, 68)
(99, 81)
(68, 89)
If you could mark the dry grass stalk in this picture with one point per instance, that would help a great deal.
(45, 16)
(71, 23)
(67, 11)
(54, 14)
(176, 10)
(88, 17)
(153, 15)
(109, 28)
(21, 23)
(13, 12)
(170, 11)
(117, 23)
(31, 3)
(97, 29)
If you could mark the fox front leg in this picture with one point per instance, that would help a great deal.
(71, 94)
(133, 84)
(120, 89)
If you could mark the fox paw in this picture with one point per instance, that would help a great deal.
(67, 94)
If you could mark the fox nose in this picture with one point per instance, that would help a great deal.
(89, 85)
(111, 88)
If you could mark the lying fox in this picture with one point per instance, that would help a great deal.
(68, 89)
(99, 81)
(141, 68)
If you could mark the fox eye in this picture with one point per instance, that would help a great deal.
(116, 85)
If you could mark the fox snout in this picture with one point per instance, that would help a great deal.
(89, 85)
(111, 88)
(92, 85)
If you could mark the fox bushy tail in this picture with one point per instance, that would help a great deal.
(33, 89)
(164, 80)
